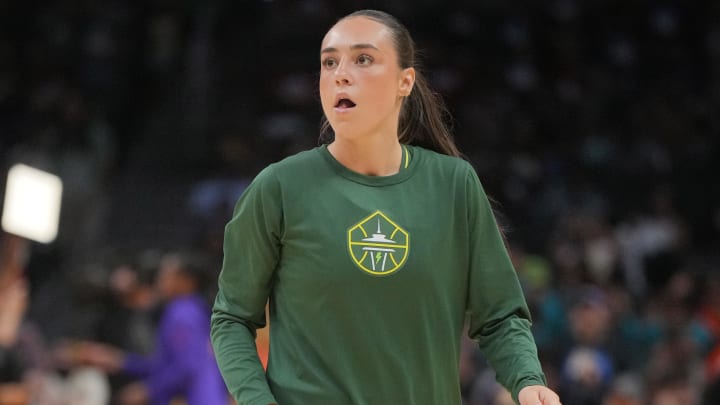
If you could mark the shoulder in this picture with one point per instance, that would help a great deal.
(444, 165)
(454, 171)
(187, 308)
(290, 168)
(301, 161)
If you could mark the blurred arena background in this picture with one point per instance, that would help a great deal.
(595, 124)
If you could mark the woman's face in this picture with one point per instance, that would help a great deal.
(361, 82)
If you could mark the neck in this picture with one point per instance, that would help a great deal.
(371, 155)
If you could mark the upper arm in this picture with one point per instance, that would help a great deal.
(252, 247)
(494, 291)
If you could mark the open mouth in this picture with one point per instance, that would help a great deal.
(344, 103)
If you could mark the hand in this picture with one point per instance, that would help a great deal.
(100, 355)
(134, 394)
(538, 395)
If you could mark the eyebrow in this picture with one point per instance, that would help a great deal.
(356, 46)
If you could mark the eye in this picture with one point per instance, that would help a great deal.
(328, 63)
(364, 60)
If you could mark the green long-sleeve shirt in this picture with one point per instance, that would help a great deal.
(369, 280)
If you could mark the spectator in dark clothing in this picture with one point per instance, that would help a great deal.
(129, 315)
(182, 364)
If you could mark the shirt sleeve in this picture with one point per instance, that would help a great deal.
(499, 316)
(251, 254)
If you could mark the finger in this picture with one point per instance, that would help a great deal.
(548, 398)
(551, 401)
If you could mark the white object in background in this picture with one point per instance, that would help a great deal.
(87, 386)
(32, 203)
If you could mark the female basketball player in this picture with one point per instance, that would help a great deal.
(373, 250)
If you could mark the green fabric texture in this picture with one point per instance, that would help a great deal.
(370, 280)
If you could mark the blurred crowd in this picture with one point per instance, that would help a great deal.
(594, 124)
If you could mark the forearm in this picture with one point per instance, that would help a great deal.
(237, 357)
(508, 345)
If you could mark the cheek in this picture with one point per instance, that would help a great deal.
(326, 89)
(382, 87)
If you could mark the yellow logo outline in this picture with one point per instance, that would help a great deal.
(382, 248)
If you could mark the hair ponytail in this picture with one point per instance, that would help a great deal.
(424, 120)
(423, 116)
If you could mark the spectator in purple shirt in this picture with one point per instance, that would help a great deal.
(182, 365)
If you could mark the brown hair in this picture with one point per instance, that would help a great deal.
(423, 117)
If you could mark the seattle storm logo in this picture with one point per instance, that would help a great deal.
(378, 245)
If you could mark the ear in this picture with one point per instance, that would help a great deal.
(407, 81)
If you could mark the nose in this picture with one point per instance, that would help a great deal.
(342, 76)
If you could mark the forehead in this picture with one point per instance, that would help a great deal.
(358, 30)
